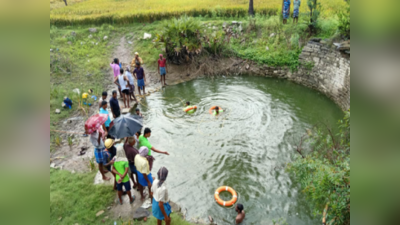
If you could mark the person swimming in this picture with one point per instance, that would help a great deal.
(216, 110)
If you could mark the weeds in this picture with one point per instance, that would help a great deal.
(58, 140)
(70, 141)
(92, 165)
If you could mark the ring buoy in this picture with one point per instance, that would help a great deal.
(222, 202)
(212, 108)
(187, 109)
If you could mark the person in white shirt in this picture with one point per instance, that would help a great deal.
(161, 207)
(131, 84)
(123, 82)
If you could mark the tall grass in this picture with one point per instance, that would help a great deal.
(128, 11)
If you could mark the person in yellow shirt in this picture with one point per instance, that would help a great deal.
(143, 168)
(136, 60)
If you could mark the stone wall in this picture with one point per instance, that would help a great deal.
(326, 70)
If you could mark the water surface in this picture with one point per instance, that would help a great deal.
(246, 147)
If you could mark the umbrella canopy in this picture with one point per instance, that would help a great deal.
(125, 126)
(95, 122)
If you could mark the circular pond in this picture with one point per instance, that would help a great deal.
(246, 147)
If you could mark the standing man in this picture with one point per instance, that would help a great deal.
(130, 153)
(162, 68)
(285, 10)
(103, 98)
(106, 125)
(116, 111)
(98, 144)
(140, 77)
(239, 209)
(115, 67)
(123, 82)
(120, 168)
(144, 142)
(131, 84)
(136, 60)
(296, 8)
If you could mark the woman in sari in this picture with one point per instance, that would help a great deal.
(286, 10)
(161, 208)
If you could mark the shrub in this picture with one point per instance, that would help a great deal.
(344, 21)
(324, 174)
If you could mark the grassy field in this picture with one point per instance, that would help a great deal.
(128, 11)
(74, 199)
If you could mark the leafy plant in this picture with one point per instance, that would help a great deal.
(344, 21)
(314, 8)
(58, 140)
(309, 65)
(91, 164)
(70, 141)
(324, 174)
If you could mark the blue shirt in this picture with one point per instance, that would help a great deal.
(104, 111)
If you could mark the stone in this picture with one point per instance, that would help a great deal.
(53, 165)
(90, 36)
(51, 50)
(234, 22)
(214, 27)
(99, 213)
(73, 33)
(272, 35)
(175, 207)
(92, 30)
(240, 29)
(267, 48)
(141, 213)
(315, 40)
(247, 66)
(125, 111)
(58, 111)
(105, 38)
(73, 171)
(224, 25)
(109, 207)
(146, 36)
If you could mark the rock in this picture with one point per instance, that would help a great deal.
(97, 43)
(175, 207)
(234, 22)
(272, 35)
(224, 25)
(106, 217)
(109, 207)
(70, 43)
(105, 38)
(73, 171)
(63, 105)
(99, 213)
(90, 36)
(146, 36)
(240, 29)
(73, 33)
(125, 111)
(267, 48)
(247, 66)
(53, 165)
(51, 50)
(58, 111)
(130, 42)
(214, 27)
(92, 30)
(140, 213)
(315, 40)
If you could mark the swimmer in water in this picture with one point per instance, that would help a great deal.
(216, 110)
(240, 216)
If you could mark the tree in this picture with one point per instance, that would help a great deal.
(251, 8)
(314, 7)
(324, 174)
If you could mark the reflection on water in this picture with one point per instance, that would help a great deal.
(246, 147)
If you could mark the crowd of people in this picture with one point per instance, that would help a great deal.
(138, 162)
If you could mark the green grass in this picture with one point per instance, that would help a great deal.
(128, 11)
(75, 199)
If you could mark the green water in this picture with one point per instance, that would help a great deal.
(246, 147)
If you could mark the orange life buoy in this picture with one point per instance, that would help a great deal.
(212, 108)
(222, 202)
(190, 108)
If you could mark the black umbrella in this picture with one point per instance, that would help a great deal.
(125, 126)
